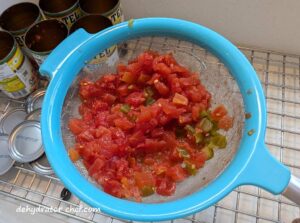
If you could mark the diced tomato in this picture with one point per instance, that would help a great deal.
(121, 68)
(96, 167)
(185, 118)
(109, 98)
(123, 123)
(165, 187)
(218, 112)
(180, 99)
(76, 126)
(171, 110)
(198, 159)
(123, 90)
(161, 68)
(176, 173)
(225, 122)
(143, 78)
(73, 154)
(161, 88)
(135, 99)
(196, 110)
(128, 77)
(139, 128)
(143, 179)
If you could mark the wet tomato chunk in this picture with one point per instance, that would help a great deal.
(146, 127)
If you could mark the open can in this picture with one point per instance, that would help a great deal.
(43, 37)
(94, 24)
(66, 11)
(17, 76)
(108, 8)
(18, 18)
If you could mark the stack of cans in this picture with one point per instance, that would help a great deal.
(20, 135)
(29, 34)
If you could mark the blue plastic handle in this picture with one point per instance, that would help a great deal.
(69, 48)
(265, 171)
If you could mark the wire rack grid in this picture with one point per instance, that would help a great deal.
(280, 75)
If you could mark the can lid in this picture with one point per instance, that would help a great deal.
(25, 142)
(6, 162)
(34, 115)
(42, 166)
(35, 100)
(11, 119)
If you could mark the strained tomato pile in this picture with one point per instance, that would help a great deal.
(146, 127)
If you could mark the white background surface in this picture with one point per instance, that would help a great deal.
(271, 24)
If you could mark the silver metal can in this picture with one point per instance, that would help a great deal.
(93, 24)
(66, 11)
(108, 8)
(18, 78)
(18, 18)
(43, 37)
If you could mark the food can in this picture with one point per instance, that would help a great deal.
(43, 37)
(66, 11)
(93, 24)
(25, 142)
(108, 8)
(18, 18)
(18, 78)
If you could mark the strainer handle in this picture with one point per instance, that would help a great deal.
(69, 48)
(265, 171)
(292, 191)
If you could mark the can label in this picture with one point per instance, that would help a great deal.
(68, 19)
(109, 56)
(17, 77)
(117, 16)
(103, 58)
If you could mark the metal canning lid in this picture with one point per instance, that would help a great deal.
(6, 162)
(42, 166)
(35, 100)
(43, 37)
(25, 142)
(11, 119)
(34, 115)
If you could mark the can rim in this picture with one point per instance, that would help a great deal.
(21, 31)
(8, 167)
(62, 13)
(6, 115)
(43, 53)
(32, 98)
(39, 168)
(31, 115)
(14, 152)
(108, 13)
(12, 51)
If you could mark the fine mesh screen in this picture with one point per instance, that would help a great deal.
(214, 76)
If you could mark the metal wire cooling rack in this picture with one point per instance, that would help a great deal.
(280, 76)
